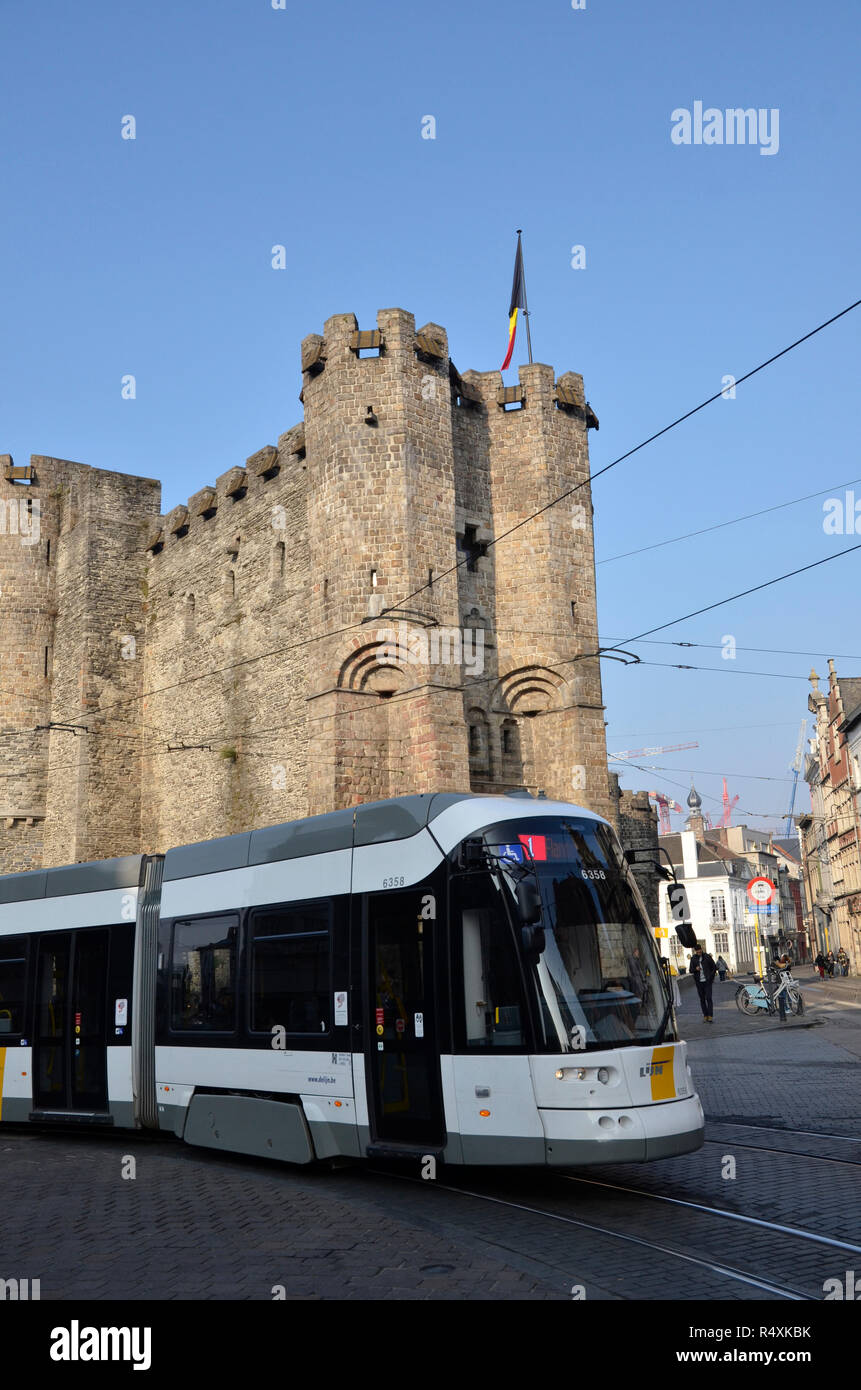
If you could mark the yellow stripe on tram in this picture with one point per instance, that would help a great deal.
(663, 1083)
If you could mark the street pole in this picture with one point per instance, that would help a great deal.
(758, 946)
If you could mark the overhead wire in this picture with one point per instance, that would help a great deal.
(721, 525)
(523, 522)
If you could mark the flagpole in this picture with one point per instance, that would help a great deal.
(525, 300)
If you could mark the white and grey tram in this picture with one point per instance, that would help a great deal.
(469, 977)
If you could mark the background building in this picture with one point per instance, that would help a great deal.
(716, 866)
(830, 834)
(715, 881)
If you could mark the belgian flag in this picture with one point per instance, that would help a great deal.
(518, 301)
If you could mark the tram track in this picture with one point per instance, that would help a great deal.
(697, 1235)
(778, 1129)
(718, 1267)
(797, 1232)
(787, 1153)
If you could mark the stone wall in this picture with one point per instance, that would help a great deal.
(294, 638)
(637, 824)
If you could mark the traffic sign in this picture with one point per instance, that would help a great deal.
(761, 890)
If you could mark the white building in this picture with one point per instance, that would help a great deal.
(716, 882)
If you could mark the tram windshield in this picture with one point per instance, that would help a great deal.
(592, 964)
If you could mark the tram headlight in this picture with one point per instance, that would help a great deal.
(560, 1075)
(603, 1075)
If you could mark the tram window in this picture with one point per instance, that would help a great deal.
(492, 991)
(13, 980)
(203, 975)
(290, 969)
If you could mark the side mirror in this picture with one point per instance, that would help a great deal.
(534, 942)
(472, 854)
(687, 935)
(529, 902)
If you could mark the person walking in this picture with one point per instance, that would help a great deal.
(722, 968)
(704, 970)
(820, 965)
(829, 964)
(843, 961)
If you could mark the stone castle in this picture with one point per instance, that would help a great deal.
(325, 625)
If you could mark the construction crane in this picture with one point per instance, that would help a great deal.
(649, 752)
(665, 805)
(795, 769)
(728, 808)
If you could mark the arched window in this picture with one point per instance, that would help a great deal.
(479, 746)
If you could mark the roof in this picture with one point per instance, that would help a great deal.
(99, 876)
(850, 694)
(708, 851)
(720, 851)
(374, 822)
(789, 848)
(368, 824)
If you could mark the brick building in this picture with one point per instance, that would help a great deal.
(831, 834)
(166, 679)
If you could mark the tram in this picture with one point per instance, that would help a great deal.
(468, 977)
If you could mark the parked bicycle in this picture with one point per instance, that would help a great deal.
(758, 998)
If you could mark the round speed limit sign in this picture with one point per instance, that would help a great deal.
(761, 890)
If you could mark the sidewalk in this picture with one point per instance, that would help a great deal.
(728, 1018)
(838, 987)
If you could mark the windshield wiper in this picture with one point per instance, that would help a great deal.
(659, 1036)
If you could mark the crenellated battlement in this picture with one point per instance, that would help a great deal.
(231, 662)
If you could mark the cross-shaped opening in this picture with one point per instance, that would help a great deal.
(473, 548)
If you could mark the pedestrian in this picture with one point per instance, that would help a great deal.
(722, 968)
(843, 961)
(820, 965)
(829, 964)
(704, 970)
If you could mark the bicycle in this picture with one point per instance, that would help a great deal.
(756, 998)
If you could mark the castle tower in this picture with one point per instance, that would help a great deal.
(544, 713)
(71, 570)
(360, 611)
(99, 519)
(28, 560)
(385, 713)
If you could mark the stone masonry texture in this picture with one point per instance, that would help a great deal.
(292, 640)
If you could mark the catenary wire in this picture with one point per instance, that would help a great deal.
(720, 525)
(523, 522)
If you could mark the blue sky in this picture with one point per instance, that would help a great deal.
(302, 127)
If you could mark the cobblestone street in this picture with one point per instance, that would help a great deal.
(197, 1225)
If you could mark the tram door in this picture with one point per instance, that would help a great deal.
(403, 1071)
(70, 1065)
